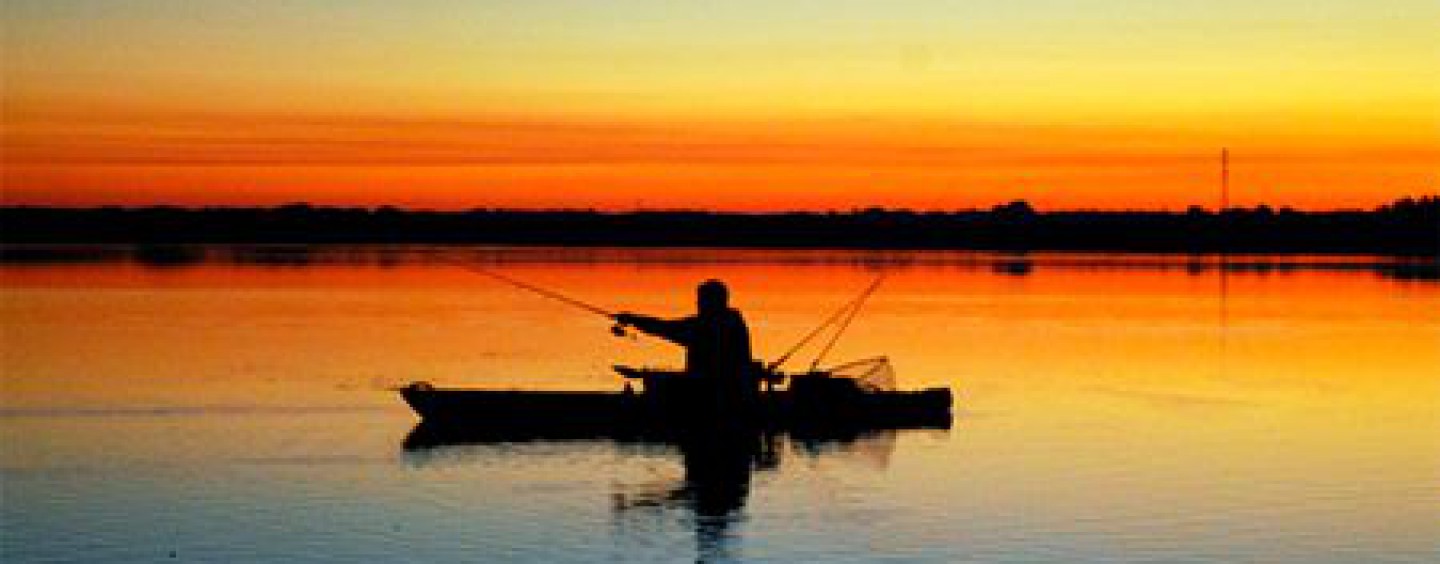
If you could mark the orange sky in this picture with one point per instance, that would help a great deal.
(448, 104)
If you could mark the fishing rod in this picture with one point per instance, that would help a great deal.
(849, 307)
(557, 296)
(845, 324)
(848, 311)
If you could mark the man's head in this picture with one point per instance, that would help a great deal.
(712, 296)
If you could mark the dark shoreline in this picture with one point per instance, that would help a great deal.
(1407, 227)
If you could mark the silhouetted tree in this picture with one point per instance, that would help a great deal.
(1015, 208)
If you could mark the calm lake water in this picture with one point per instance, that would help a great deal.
(231, 405)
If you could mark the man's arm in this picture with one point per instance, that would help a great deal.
(674, 330)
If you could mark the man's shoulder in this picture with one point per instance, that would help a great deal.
(734, 315)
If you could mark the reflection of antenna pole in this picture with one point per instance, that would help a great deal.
(1224, 295)
(1224, 179)
(1224, 255)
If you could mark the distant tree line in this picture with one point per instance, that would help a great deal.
(1405, 226)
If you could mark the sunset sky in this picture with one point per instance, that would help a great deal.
(743, 105)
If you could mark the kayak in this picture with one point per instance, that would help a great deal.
(812, 405)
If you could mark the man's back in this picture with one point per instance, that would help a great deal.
(719, 347)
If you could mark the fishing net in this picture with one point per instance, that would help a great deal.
(872, 374)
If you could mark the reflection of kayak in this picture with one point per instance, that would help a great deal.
(671, 397)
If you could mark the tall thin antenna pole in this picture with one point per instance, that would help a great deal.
(1224, 179)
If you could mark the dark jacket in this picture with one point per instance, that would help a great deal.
(717, 345)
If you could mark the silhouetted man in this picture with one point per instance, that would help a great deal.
(716, 341)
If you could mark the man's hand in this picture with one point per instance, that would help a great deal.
(621, 320)
(625, 318)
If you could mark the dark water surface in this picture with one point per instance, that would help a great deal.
(230, 405)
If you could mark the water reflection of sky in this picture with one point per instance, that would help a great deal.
(1137, 410)
(710, 489)
(1011, 263)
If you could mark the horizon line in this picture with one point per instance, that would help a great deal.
(777, 211)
